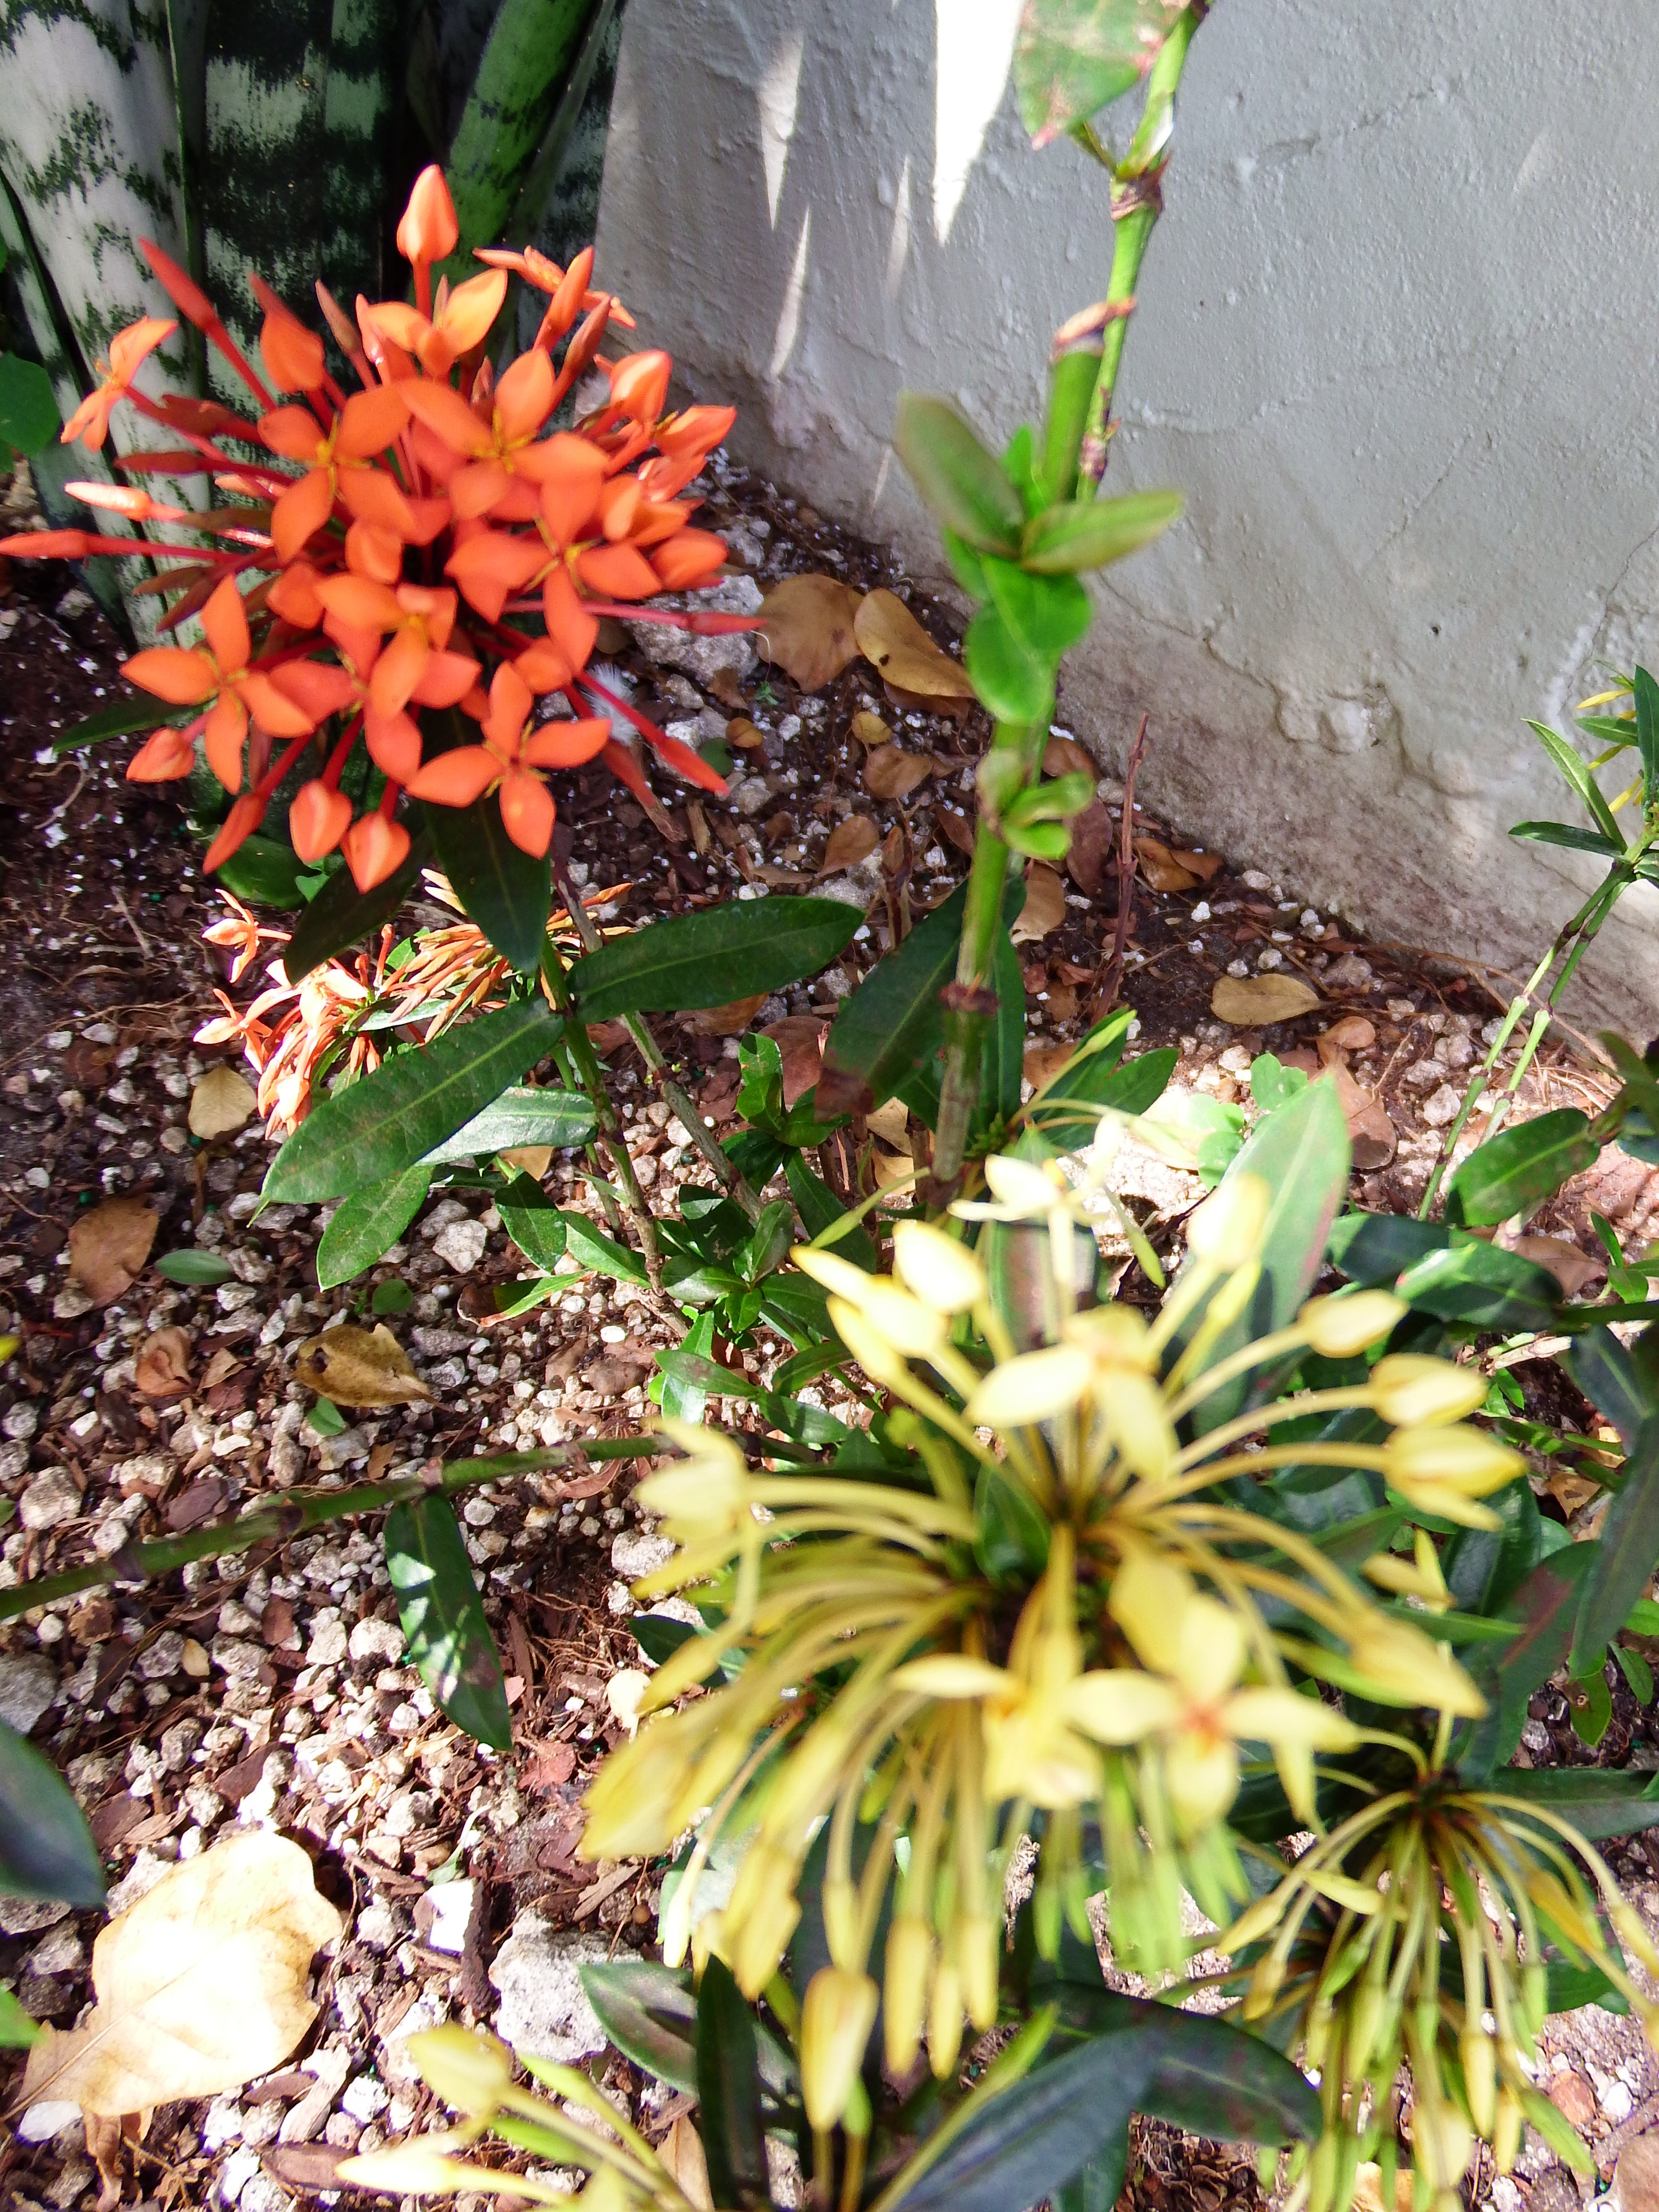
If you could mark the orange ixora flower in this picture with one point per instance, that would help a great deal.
(508, 759)
(426, 541)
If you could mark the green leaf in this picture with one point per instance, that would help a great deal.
(443, 1618)
(590, 1247)
(1373, 1248)
(1028, 2141)
(193, 1266)
(533, 1222)
(395, 1117)
(819, 1208)
(1576, 772)
(264, 872)
(506, 891)
(340, 915)
(1599, 1803)
(28, 411)
(17, 2030)
(1483, 1567)
(521, 74)
(1589, 1707)
(728, 2092)
(1046, 615)
(708, 959)
(1089, 533)
(1564, 833)
(1609, 1377)
(1624, 1559)
(1075, 56)
(45, 1847)
(1012, 1540)
(523, 1115)
(962, 484)
(391, 1298)
(659, 1635)
(1479, 1286)
(1523, 1163)
(1543, 1607)
(1637, 1672)
(1647, 734)
(649, 2011)
(371, 1222)
(326, 1419)
(1013, 683)
(119, 720)
(1001, 1067)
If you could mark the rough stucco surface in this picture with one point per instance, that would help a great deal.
(1392, 346)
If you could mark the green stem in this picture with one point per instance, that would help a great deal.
(296, 1512)
(583, 1058)
(965, 1020)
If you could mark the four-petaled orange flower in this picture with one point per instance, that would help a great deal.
(219, 670)
(493, 466)
(462, 321)
(509, 756)
(339, 465)
(128, 350)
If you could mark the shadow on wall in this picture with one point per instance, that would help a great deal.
(1422, 482)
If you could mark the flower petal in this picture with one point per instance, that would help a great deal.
(300, 512)
(527, 812)
(1119, 1704)
(565, 744)
(370, 422)
(457, 778)
(183, 679)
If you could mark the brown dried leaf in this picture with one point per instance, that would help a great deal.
(681, 2151)
(869, 729)
(1251, 1002)
(1043, 1062)
(224, 1362)
(1160, 867)
(200, 1986)
(161, 1369)
(1353, 1033)
(892, 852)
(957, 827)
(108, 1246)
(891, 773)
(359, 1367)
(799, 1039)
(222, 1102)
(850, 841)
(724, 1021)
(746, 736)
(1570, 1267)
(1201, 864)
(1045, 905)
(1375, 1139)
(891, 639)
(534, 1160)
(808, 629)
(1091, 857)
(1064, 757)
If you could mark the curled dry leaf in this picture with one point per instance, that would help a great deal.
(891, 773)
(745, 736)
(807, 628)
(799, 1039)
(222, 1102)
(891, 1123)
(200, 1986)
(1160, 867)
(1064, 757)
(891, 639)
(108, 1246)
(730, 1020)
(1204, 865)
(1092, 856)
(850, 841)
(1570, 1267)
(890, 1168)
(957, 827)
(534, 1160)
(681, 2151)
(1045, 905)
(869, 728)
(1246, 1002)
(1374, 1136)
(161, 1369)
(357, 1366)
(892, 852)
(1353, 1033)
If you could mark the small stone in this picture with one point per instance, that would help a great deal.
(442, 1915)
(327, 1646)
(21, 1420)
(1350, 973)
(62, 1952)
(28, 1916)
(543, 2008)
(364, 2099)
(1573, 2097)
(28, 1683)
(1636, 2177)
(461, 1244)
(1441, 1107)
(50, 1500)
(262, 2192)
(633, 1554)
(379, 1642)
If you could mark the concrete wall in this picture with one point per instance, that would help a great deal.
(1394, 345)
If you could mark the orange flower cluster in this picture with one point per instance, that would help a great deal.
(391, 534)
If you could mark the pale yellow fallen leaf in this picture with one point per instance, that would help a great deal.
(221, 1103)
(682, 2152)
(807, 628)
(357, 1366)
(869, 728)
(534, 1160)
(891, 639)
(891, 1122)
(1246, 1002)
(201, 1986)
(108, 1246)
(1045, 905)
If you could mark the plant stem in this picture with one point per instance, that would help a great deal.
(1111, 982)
(579, 1046)
(677, 1101)
(295, 1513)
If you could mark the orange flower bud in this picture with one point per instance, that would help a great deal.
(293, 354)
(639, 385)
(165, 755)
(687, 559)
(317, 819)
(428, 230)
(375, 849)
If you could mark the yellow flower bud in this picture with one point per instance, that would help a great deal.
(1132, 1407)
(1227, 1230)
(1458, 1458)
(976, 1941)
(1148, 1600)
(1032, 1387)
(711, 1938)
(1116, 1335)
(1506, 2132)
(1024, 1187)
(1480, 2079)
(1338, 1328)
(1443, 2140)
(941, 1271)
(470, 2070)
(419, 2167)
(836, 2015)
(872, 1349)
(836, 1274)
(1413, 1391)
(907, 1977)
(839, 1898)
(762, 1915)
(945, 2021)
(1402, 1666)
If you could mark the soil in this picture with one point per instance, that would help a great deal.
(270, 1688)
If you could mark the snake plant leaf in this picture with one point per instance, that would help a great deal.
(524, 70)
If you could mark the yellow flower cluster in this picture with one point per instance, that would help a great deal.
(867, 1671)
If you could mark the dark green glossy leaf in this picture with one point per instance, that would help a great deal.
(659, 1635)
(1564, 833)
(1577, 775)
(960, 483)
(649, 2011)
(710, 960)
(1028, 2142)
(1610, 1378)
(1598, 1802)
(533, 1222)
(264, 872)
(1089, 533)
(340, 915)
(1099, 2183)
(1373, 1248)
(1543, 1607)
(45, 1847)
(1483, 1567)
(590, 1247)
(371, 1222)
(1002, 1053)
(1624, 1556)
(1480, 1287)
(1012, 1543)
(523, 1115)
(893, 1022)
(820, 1208)
(506, 891)
(1075, 56)
(197, 1265)
(28, 412)
(394, 1118)
(1523, 1163)
(1646, 693)
(119, 720)
(729, 2092)
(443, 1618)
(1069, 1111)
